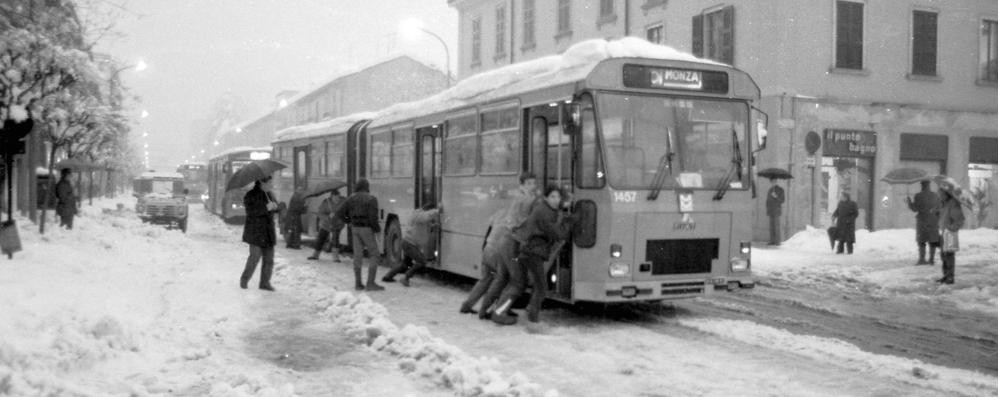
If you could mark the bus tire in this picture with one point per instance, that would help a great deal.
(393, 243)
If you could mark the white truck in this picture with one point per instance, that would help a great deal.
(162, 199)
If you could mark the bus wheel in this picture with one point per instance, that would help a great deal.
(393, 244)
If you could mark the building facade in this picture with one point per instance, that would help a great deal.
(399, 79)
(853, 88)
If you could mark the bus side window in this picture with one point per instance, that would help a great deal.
(590, 164)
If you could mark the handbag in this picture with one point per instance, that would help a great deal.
(951, 241)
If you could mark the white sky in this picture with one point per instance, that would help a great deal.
(198, 51)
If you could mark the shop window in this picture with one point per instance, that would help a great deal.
(923, 43)
(982, 175)
(849, 35)
(714, 35)
(461, 145)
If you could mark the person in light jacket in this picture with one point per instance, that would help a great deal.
(418, 245)
(845, 223)
(950, 221)
(329, 225)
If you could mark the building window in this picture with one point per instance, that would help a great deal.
(989, 51)
(528, 24)
(654, 34)
(500, 32)
(606, 12)
(476, 41)
(714, 35)
(923, 43)
(564, 17)
(849, 35)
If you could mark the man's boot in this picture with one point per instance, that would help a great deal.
(372, 271)
(921, 254)
(932, 254)
(359, 286)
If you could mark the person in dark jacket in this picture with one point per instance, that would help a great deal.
(845, 223)
(65, 205)
(926, 222)
(296, 208)
(259, 233)
(418, 245)
(950, 221)
(329, 225)
(774, 209)
(361, 211)
(542, 230)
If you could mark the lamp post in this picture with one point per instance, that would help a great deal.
(410, 27)
(113, 78)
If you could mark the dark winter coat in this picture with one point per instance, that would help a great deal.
(845, 221)
(259, 228)
(774, 201)
(327, 210)
(926, 219)
(950, 215)
(66, 204)
(542, 229)
(296, 208)
(360, 210)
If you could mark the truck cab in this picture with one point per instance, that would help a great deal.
(162, 199)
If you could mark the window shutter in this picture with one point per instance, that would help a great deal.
(849, 35)
(923, 57)
(698, 35)
(728, 36)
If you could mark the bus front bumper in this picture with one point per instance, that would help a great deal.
(628, 291)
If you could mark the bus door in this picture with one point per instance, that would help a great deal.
(550, 158)
(302, 162)
(428, 170)
(356, 155)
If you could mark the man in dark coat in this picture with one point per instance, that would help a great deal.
(296, 208)
(845, 223)
(774, 209)
(926, 222)
(361, 211)
(65, 205)
(259, 233)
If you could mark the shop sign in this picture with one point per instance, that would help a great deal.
(849, 143)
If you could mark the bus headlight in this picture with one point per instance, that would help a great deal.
(739, 264)
(619, 269)
(204, 196)
(746, 247)
(615, 250)
(235, 206)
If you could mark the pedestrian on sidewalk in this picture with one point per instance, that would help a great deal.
(545, 227)
(774, 209)
(361, 211)
(329, 225)
(296, 208)
(950, 221)
(418, 245)
(259, 232)
(499, 265)
(845, 223)
(926, 222)
(65, 205)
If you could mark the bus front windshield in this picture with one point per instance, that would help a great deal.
(655, 142)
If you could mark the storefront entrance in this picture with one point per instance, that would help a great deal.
(847, 166)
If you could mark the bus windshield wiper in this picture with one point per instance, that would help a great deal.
(664, 163)
(736, 167)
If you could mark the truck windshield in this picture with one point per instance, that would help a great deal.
(161, 186)
(655, 142)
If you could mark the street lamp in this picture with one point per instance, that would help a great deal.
(138, 66)
(411, 27)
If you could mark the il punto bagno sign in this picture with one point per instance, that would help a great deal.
(849, 143)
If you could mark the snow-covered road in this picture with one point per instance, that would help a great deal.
(117, 307)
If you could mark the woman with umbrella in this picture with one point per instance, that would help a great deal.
(950, 221)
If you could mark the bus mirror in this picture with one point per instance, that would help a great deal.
(763, 132)
(762, 125)
(573, 118)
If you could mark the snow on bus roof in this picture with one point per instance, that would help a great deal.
(238, 149)
(572, 65)
(320, 128)
(165, 175)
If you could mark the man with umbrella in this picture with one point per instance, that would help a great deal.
(926, 222)
(259, 231)
(774, 202)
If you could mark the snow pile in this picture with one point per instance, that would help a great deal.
(882, 262)
(933, 377)
(116, 307)
(418, 352)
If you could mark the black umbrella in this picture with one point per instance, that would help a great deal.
(775, 173)
(252, 172)
(76, 164)
(905, 176)
(325, 186)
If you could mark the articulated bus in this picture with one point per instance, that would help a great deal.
(229, 205)
(195, 180)
(653, 148)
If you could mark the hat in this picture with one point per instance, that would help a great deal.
(948, 184)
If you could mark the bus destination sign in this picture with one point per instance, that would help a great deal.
(641, 76)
